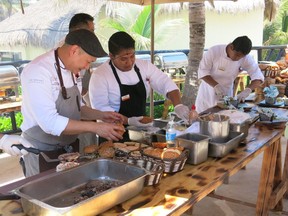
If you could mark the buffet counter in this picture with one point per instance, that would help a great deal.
(176, 193)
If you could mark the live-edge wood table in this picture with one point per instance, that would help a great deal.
(178, 192)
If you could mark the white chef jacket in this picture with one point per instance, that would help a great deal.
(223, 70)
(104, 91)
(40, 90)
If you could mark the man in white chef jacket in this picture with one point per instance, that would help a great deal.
(218, 69)
(52, 105)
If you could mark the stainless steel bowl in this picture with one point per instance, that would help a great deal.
(216, 126)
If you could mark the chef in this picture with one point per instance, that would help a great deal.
(218, 69)
(123, 83)
(52, 105)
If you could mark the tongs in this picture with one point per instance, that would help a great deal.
(35, 151)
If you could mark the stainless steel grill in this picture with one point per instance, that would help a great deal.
(172, 63)
(9, 81)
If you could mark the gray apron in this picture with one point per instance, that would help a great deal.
(68, 105)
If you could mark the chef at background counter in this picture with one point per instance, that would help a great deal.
(218, 69)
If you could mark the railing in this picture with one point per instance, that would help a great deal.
(264, 53)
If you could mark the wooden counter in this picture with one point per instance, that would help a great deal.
(178, 192)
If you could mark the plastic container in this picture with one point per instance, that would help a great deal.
(170, 133)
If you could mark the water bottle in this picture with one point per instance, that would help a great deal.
(170, 133)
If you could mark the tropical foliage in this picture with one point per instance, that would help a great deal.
(136, 20)
(276, 32)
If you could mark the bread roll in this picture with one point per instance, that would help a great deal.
(146, 120)
(90, 149)
(121, 132)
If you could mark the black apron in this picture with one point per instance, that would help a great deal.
(132, 97)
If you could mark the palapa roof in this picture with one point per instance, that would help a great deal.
(45, 23)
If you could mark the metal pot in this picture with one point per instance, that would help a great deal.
(216, 126)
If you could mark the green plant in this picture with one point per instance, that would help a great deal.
(6, 124)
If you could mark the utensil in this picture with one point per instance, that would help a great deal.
(35, 151)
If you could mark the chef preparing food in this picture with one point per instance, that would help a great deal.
(218, 69)
(123, 83)
(52, 104)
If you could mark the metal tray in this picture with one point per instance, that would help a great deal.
(221, 149)
(54, 194)
(197, 144)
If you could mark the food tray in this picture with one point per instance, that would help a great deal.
(221, 149)
(197, 144)
(276, 104)
(155, 169)
(141, 134)
(54, 194)
(171, 165)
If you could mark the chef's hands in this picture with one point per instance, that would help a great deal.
(135, 121)
(8, 140)
(112, 117)
(182, 112)
(219, 91)
(244, 94)
(109, 131)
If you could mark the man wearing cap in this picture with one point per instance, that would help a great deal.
(52, 104)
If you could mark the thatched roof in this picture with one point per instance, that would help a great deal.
(45, 23)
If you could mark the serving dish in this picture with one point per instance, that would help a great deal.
(55, 194)
(197, 144)
(221, 149)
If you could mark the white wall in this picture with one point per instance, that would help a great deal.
(220, 28)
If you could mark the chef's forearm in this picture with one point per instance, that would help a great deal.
(208, 79)
(175, 97)
(77, 127)
(88, 113)
(254, 84)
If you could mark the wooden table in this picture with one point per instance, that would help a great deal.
(11, 108)
(178, 192)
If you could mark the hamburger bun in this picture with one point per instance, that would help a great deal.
(90, 149)
(146, 120)
(121, 132)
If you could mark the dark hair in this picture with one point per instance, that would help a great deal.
(119, 41)
(80, 20)
(242, 44)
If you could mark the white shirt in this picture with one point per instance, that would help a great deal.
(104, 91)
(224, 71)
(40, 90)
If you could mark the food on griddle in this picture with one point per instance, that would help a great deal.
(66, 165)
(90, 149)
(69, 157)
(95, 187)
(146, 120)
(106, 149)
